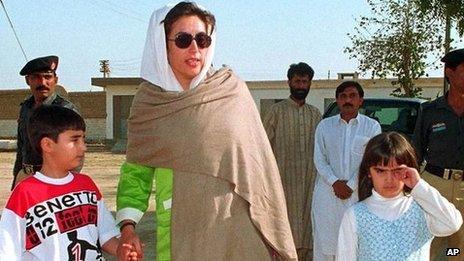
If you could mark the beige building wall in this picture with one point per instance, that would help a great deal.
(8, 129)
(264, 93)
(115, 90)
(324, 90)
(91, 105)
(95, 129)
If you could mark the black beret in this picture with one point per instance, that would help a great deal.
(454, 57)
(41, 64)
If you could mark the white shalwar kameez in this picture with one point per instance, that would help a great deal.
(338, 150)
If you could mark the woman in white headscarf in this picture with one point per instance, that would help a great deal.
(196, 133)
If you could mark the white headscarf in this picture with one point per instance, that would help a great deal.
(155, 66)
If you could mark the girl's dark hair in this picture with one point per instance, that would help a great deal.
(188, 9)
(48, 121)
(379, 150)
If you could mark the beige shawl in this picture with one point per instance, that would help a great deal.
(228, 201)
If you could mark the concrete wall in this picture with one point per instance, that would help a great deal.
(265, 92)
(91, 106)
(324, 90)
(95, 129)
(8, 129)
(110, 92)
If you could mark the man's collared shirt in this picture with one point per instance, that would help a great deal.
(439, 135)
(24, 152)
(340, 146)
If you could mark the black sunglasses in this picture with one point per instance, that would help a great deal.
(184, 40)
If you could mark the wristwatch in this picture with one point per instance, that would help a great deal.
(126, 223)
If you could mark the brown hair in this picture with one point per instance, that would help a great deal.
(379, 150)
(188, 9)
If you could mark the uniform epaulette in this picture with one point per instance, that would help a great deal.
(25, 100)
(58, 99)
(430, 104)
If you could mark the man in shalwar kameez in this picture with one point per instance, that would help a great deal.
(218, 190)
(338, 150)
(291, 126)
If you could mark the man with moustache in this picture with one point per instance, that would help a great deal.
(40, 75)
(339, 147)
(290, 126)
(439, 141)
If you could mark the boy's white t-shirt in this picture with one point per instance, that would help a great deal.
(55, 219)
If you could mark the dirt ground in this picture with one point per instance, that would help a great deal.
(103, 167)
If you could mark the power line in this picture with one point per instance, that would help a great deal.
(119, 7)
(137, 59)
(127, 63)
(121, 13)
(14, 31)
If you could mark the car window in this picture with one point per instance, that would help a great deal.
(393, 115)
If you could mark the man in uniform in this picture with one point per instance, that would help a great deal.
(439, 140)
(290, 126)
(40, 75)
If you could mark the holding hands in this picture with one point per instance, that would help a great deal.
(126, 252)
(130, 247)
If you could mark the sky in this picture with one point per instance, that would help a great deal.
(257, 39)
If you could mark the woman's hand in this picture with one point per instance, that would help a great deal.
(409, 176)
(127, 252)
(130, 247)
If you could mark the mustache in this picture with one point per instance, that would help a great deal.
(41, 87)
(347, 105)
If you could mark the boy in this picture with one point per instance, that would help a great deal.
(56, 214)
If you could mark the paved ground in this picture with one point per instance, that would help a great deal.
(103, 167)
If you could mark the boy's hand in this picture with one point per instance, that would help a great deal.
(129, 243)
(410, 176)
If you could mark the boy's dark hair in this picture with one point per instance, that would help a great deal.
(188, 9)
(348, 84)
(300, 69)
(379, 150)
(48, 121)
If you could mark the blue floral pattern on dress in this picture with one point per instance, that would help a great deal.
(399, 239)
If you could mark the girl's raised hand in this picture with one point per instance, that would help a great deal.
(410, 176)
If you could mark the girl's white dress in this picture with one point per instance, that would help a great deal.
(442, 217)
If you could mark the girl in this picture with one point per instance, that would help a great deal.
(399, 213)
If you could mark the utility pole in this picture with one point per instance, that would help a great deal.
(105, 68)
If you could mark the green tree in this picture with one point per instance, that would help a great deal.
(448, 11)
(396, 40)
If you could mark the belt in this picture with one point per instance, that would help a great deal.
(30, 169)
(456, 174)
